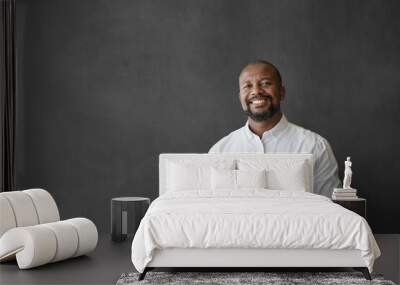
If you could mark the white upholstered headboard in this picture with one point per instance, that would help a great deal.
(164, 158)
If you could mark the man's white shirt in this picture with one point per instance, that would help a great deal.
(286, 137)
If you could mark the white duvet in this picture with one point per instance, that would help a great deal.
(251, 218)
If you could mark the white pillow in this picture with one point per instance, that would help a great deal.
(237, 179)
(282, 174)
(294, 179)
(191, 174)
(188, 177)
(251, 178)
(223, 179)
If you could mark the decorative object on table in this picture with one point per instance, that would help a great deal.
(126, 214)
(357, 205)
(345, 193)
(248, 278)
(348, 173)
(32, 233)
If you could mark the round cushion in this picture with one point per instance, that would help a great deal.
(67, 240)
(87, 233)
(33, 246)
(7, 220)
(46, 207)
(23, 208)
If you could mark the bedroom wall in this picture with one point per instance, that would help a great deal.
(105, 86)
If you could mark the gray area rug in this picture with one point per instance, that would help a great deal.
(225, 278)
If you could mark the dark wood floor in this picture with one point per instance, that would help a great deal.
(110, 260)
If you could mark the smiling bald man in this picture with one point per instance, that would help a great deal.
(268, 131)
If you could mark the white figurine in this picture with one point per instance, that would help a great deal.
(347, 174)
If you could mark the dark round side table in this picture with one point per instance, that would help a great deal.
(126, 214)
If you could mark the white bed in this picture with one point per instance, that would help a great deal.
(201, 226)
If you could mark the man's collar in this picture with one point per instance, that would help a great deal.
(274, 132)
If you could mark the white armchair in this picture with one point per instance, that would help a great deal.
(31, 230)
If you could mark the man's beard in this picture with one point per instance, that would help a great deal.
(264, 116)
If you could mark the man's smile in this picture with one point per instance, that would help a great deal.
(259, 102)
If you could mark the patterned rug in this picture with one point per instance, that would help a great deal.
(270, 278)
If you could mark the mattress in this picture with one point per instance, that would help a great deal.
(251, 219)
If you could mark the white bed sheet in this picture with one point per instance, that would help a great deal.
(250, 218)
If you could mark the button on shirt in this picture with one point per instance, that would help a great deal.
(286, 137)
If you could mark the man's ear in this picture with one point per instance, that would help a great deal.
(283, 92)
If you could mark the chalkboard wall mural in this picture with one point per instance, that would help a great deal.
(105, 86)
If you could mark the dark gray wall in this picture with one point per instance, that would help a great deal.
(105, 86)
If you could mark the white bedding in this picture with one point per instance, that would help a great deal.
(251, 218)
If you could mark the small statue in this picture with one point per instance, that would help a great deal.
(347, 174)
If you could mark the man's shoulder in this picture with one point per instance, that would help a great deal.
(307, 136)
(232, 137)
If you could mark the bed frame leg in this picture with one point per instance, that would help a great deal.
(143, 274)
(364, 271)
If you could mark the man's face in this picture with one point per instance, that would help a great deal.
(260, 92)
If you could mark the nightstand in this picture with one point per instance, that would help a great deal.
(357, 205)
(126, 214)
